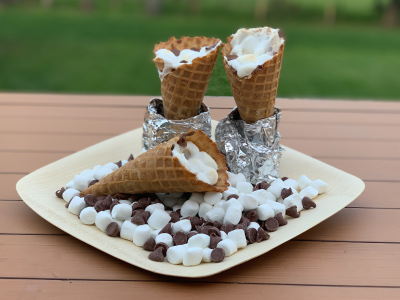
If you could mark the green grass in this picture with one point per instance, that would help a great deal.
(70, 52)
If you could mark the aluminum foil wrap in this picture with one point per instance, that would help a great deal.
(158, 129)
(251, 149)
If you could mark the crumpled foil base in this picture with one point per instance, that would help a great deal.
(251, 149)
(158, 129)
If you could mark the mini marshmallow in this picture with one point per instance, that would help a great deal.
(169, 201)
(122, 211)
(216, 214)
(111, 166)
(254, 225)
(123, 162)
(209, 175)
(291, 183)
(198, 197)
(97, 167)
(304, 182)
(129, 202)
(276, 189)
(70, 185)
(278, 182)
(200, 240)
(158, 219)
(295, 199)
(235, 178)
(265, 211)
(76, 205)
(262, 196)
(248, 201)
(212, 197)
(127, 230)
(165, 238)
(244, 187)
(204, 208)
(103, 219)
(207, 159)
(141, 235)
(69, 194)
(232, 202)
(277, 207)
(309, 192)
(182, 225)
(319, 185)
(88, 215)
(176, 207)
(101, 173)
(206, 255)
(154, 233)
(223, 235)
(175, 254)
(87, 174)
(230, 191)
(192, 256)
(233, 215)
(152, 207)
(228, 245)
(190, 208)
(220, 204)
(238, 237)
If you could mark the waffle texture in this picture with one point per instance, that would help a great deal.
(255, 94)
(157, 171)
(183, 89)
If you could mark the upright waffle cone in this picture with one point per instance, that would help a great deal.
(183, 89)
(255, 94)
(157, 171)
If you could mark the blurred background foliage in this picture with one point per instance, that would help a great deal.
(334, 48)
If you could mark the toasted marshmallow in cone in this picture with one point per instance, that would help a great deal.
(252, 62)
(159, 170)
(185, 67)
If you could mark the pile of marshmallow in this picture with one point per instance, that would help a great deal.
(192, 228)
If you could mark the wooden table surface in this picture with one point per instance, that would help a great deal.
(355, 254)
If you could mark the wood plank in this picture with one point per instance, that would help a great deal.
(8, 182)
(26, 162)
(347, 225)
(315, 263)
(95, 290)
(378, 195)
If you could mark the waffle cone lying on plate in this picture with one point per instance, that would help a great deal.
(157, 171)
(255, 94)
(183, 88)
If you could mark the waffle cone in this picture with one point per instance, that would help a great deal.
(157, 171)
(255, 94)
(183, 89)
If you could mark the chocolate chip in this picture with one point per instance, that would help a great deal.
(115, 202)
(214, 240)
(251, 235)
(271, 224)
(195, 221)
(227, 228)
(245, 221)
(144, 202)
(94, 181)
(308, 203)
(112, 229)
(264, 185)
(210, 229)
(157, 255)
(99, 206)
(217, 255)
(145, 215)
(241, 226)
(60, 192)
(67, 205)
(182, 139)
(90, 199)
(286, 193)
(292, 212)
(174, 216)
(130, 157)
(211, 47)
(280, 33)
(119, 164)
(180, 238)
(167, 229)
(137, 219)
(150, 244)
(190, 234)
(252, 215)
(136, 206)
(284, 178)
(232, 196)
(176, 52)
(163, 246)
(281, 220)
(107, 202)
(120, 196)
(217, 224)
(195, 49)
(183, 62)
(231, 57)
(101, 198)
(198, 228)
(262, 234)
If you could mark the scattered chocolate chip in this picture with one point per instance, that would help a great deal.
(217, 255)
(308, 203)
(284, 178)
(210, 229)
(144, 202)
(145, 215)
(112, 229)
(94, 181)
(119, 164)
(99, 206)
(176, 52)
(198, 228)
(190, 234)
(245, 221)
(115, 202)
(107, 202)
(195, 49)
(231, 57)
(214, 240)
(67, 205)
(208, 223)
(232, 196)
(90, 199)
(281, 220)
(217, 224)
(286, 193)
(174, 216)
(180, 238)
(252, 215)
(157, 255)
(227, 228)
(251, 235)
(179, 212)
(271, 224)
(136, 206)
(120, 196)
(262, 235)
(60, 192)
(150, 244)
(211, 47)
(163, 246)
(130, 157)
(183, 62)
(182, 139)
(195, 221)
(264, 185)
(137, 219)
(167, 229)
(292, 212)
(101, 198)
(241, 226)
